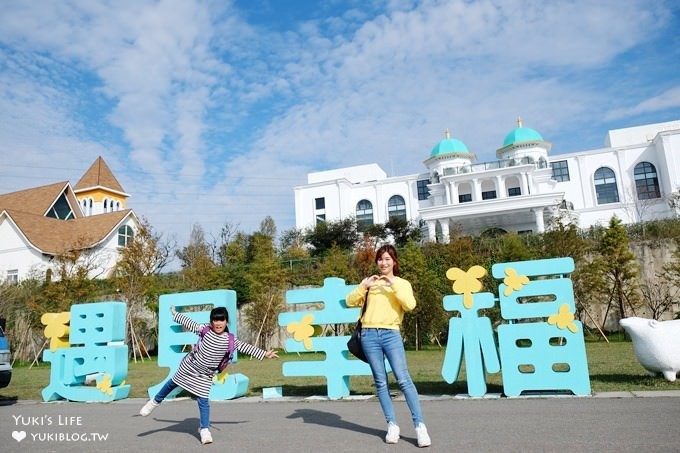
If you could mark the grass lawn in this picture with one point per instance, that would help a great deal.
(613, 367)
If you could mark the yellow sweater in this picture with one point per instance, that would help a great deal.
(386, 304)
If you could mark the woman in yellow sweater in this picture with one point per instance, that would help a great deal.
(387, 297)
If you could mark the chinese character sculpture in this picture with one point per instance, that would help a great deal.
(87, 343)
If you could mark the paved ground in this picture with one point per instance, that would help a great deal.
(612, 422)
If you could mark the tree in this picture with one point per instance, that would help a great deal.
(426, 321)
(267, 281)
(268, 227)
(403, 231)
(341, 233)
(142, 259)
(562, 239)
(620, 270)
(338, 263)
(659, 297)
(199, 271)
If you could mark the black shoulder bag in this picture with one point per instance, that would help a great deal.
(354, 343)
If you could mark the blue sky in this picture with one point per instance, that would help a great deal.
(210, 112)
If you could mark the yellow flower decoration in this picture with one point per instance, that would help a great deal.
(57, 329)
(564, 319)
(513, 282)
(466, 283)
(221, 376)
(303, 330)
(105, 384)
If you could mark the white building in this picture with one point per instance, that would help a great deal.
(522, 191)
(40, 224)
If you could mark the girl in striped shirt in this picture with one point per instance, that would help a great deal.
(197, 368)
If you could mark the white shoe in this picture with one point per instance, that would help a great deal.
(423, 437)
(206, 438)
(148, 407)
(392, 436)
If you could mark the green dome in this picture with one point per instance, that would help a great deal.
(449, 145)
(521, 135)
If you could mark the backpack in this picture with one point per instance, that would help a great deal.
(231, 344)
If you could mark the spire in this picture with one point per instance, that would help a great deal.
(519, 121)
(447, 133)
(98, 175)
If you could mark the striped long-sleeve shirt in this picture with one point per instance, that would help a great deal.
(197, 368)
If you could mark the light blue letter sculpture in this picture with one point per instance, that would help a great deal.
(338, 366)
(95, 349)
(547, 355)
(174, 342)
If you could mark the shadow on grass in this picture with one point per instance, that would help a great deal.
(621, 378)
(8, 400)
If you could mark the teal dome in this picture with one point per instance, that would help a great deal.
(449, 145)
(521, 135)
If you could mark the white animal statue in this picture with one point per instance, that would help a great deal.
(656, 344)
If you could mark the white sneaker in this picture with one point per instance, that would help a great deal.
(206, 438)
(423, 437)
(392, 436)
(148, 407)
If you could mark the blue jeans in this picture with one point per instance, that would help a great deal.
(381, 343)
(203, 403)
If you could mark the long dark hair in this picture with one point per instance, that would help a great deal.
(219, 314)
(393, 253)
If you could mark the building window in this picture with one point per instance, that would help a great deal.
(464, 198)
(423, 190)
(646, 181)
(605, 186)
(320, 210)
(125, 235)
(514, 191)
(12, 276)
(396, 207)
(61, 209)
(560, 171)
(489, 195)
(364, 215)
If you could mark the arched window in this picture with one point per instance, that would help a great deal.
(646, 181)
(396, 207)
(605, 186)
(106, 205)
(125, 235)
(364, 215)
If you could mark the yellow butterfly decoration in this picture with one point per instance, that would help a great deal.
(303, 330)
(513, 282)
(564, 319)
(466, 283)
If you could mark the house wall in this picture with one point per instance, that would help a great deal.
(658, 144)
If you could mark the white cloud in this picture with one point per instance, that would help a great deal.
(207, 117)
(667, 100)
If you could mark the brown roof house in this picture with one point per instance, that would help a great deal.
(39, 226)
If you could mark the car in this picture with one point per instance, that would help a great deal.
(5, 358)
